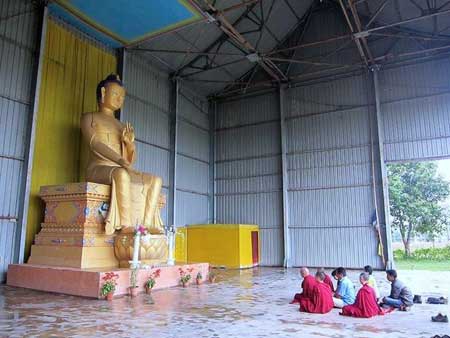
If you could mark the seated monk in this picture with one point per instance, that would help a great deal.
(307, 286)
(372, 281)
(365, 305)
(327, 279)
(112, 151)
(321, 300)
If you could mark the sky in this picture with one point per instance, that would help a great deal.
(444, 168)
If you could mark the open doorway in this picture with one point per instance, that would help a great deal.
(419, 194)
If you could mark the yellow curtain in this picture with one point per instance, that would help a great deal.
(72, 68)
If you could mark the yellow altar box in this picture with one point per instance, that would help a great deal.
(221, 245)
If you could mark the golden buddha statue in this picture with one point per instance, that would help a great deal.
(112, 152)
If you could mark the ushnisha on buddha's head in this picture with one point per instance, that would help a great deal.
(110, 94)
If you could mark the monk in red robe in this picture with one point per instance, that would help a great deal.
(307, 286)
(327, 279)
(365, 305)
(321, 300)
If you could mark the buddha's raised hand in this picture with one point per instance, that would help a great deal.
(128, 134)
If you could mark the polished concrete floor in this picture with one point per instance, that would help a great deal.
(248, 303)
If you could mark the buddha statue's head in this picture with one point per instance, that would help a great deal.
(110, 93)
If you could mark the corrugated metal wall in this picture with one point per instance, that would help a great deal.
(416, 111)
(248, 169)
(18, 49)
(147, 108)
(329, 174)
(192, 170)
(329, 167)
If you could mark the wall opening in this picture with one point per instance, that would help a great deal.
(419, 194)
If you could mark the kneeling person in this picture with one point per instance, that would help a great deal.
(321, 300)
(365, 305)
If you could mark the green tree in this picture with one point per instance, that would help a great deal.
(415, 193)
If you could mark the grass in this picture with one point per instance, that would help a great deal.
(412, 264)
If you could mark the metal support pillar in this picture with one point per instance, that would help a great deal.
(212, 164)
(173, 152)
(384, 214)
(284, 179)
(31, 137)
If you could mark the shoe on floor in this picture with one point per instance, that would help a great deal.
(417, 299)
(436, 300)
(440, 318)
(404, 308)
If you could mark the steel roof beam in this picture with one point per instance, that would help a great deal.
(359, 28)
(352, 31)
(234, 35)
(224, 37)
(377, 12)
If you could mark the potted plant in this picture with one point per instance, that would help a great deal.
(199, 278)
(109, 285)
(151, 281)
(211, 275)
(133, 289)
(185, 276)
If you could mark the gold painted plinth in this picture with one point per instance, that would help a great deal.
(153, 249)
(72, 234)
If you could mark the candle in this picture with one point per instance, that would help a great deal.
(170, 233)
(137, 240)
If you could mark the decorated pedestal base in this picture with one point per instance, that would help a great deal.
(72, 234)
(88, 282)
(73, 231)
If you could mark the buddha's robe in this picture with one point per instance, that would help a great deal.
(321, 300)
(134, 200)
(307, 289)
(365, 305)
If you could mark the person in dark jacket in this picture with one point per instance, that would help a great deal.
(401, 296)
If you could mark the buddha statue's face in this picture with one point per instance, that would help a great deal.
(113, 96)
